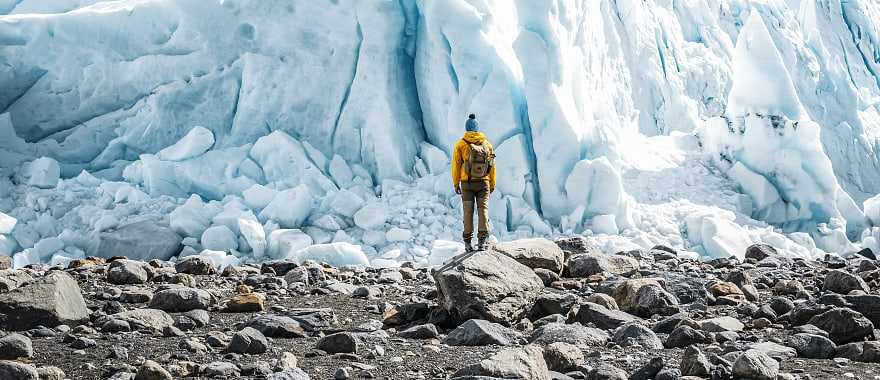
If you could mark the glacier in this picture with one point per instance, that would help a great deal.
(262, 129)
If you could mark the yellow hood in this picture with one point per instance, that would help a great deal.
(474, 138)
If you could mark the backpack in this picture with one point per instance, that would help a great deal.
(480, 161)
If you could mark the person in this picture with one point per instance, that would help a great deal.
(473, 175)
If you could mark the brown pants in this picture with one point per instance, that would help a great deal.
(475, 192)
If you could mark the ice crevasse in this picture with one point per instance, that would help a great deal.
(254, 132)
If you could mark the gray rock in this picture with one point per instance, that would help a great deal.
(277, 326)
(721, 324)
(603, 299)
(200, 316)
(487, 285)
(81, 343)
(289, 374)
(865, 352)
(426, 331)
(635, 334)
(136, 296)
(755, 365)
(248, 341)
(181, 300)
(11, 279)
(669, 374)
(602, 317)
(196, 265)
(649, 370)
(775, 350)
(53, 300)
(146, 319)
(151, 370)
(607, 372)
(694, 363)
(478, 332)
(143, 241)
(534, 253)
(127, 272)
(221, 369)
(562, 357)
(14, 346)
(843, 325)
(812, 346)
(588, 264)
(18, 371)
(547, 276)
(115, 325)
(51, 373)
(513, 363)
(575, 334)
(843, 282)
(342, 342)
(650, 299)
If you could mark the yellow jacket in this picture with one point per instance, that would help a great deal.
(460, 155)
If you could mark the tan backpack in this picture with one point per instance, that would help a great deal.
(480, 161)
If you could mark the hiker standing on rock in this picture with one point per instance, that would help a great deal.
(473, 175)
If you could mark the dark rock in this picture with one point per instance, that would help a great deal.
(844, 325)
(602, 317)
(280, 267)
(760, 252)
(426, 331)
(865, 352)
(342, 342)
(684, 336)
(196, 265)
(553, 303)
(649, 370)
(842, 282)
(812, 346)
(694, 363)
(248, 341)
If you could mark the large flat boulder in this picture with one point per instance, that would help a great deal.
(52, 300)
(513, 363)
(534, 253)
(486, 285)
(144, 241)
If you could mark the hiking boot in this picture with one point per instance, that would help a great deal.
(481, 242)
(468, 247)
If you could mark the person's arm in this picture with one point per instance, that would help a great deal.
(456, 167)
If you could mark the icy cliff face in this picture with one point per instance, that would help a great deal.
(602, 112)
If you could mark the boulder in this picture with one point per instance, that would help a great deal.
(645, 297)
(143, 241)
(760, 252)
(721, 324)
(478, 332)
(127, 272)
(843, 325)
(602, 317)
(426, 331)
(588, 264)
(486, 285)
(342, 342)
(534, 253)
(842, 282)
(755, 365)
(562, 356)
(146, 319)
(248, 341)
(694, 363)
(684, 336)
(53, 300)
(181, 299)
(151, 370)
(11, 279)
(196, 265)
(18, 371)
(635, 334)
(865, 352)
(513, 363)
(812, 346)
(14, 346)
(277, 326)
(245, 303)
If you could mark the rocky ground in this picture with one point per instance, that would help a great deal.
(529, 309)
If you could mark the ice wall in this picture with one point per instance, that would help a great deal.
(343, 97)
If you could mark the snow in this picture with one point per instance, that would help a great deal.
(701, 127)
(196, 142)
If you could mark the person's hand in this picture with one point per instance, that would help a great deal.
(458, 189)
